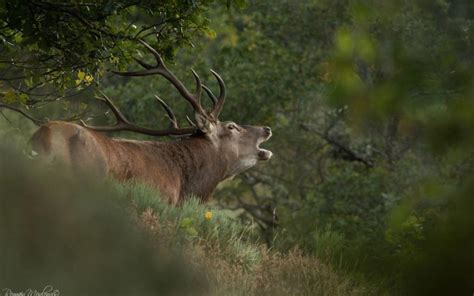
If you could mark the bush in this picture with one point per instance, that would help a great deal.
(342, 217)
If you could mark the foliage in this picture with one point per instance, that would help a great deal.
(52, 49)
(380, 68)
(444, 257)
(336, 217)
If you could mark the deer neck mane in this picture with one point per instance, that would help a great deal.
(202, 166)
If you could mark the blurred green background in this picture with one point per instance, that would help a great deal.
(371, 104)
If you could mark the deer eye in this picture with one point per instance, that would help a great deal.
(233, 126)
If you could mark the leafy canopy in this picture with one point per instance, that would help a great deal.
(65, 45)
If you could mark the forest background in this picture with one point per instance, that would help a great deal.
(371, 104)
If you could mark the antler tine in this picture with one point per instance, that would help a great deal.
(191, 123)
(210, 94)
(124, 125)
(118, 115)
(198, 91)
(160, 65)
(159, 60)
(169, 112)
(142, 63)
(222, 93)
(34, 120)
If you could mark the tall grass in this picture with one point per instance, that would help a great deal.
(187, 224)
(230, 254)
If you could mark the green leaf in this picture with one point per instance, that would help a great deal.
(10, 96)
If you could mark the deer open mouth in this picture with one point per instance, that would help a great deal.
(264, 154)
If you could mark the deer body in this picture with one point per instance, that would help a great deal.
(192, 166)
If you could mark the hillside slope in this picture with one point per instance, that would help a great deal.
(80, 236)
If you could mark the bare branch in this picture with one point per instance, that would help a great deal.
(34, 120)
(352, 154)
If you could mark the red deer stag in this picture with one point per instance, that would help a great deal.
(205, 154)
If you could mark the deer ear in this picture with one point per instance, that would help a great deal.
(204, 124)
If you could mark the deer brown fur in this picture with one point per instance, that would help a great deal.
(190, 166)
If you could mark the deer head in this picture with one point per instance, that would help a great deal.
(238, 144)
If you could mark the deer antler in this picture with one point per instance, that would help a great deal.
(124, 125)
(160, 68)
(194, 98)
(220, 101)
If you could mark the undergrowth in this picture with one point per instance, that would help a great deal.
(229, 253)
